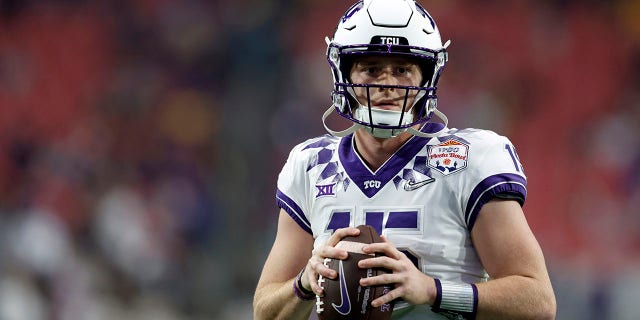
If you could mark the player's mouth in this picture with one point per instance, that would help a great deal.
(386, 105)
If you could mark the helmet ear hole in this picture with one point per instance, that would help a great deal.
(420, 108)
(346, 62)
(427, 67)
(352, 103)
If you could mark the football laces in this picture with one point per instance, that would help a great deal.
(321, 280)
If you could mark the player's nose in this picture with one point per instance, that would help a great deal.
(387, 78)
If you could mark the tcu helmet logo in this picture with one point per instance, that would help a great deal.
(372, 184)
(390, 40)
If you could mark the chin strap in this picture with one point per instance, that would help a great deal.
(342, 133)
(445, 122)
(356, 126)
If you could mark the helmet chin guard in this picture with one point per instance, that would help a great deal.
(387, 28)
(378, 131)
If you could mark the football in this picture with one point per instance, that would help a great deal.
(344, 298)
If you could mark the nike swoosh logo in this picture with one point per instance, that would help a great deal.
(412, 185)
(345, 304)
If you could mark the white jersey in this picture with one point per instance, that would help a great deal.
(424, 199)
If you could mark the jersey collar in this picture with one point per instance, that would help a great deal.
(371, 182)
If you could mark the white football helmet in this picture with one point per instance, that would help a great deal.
(386, 27)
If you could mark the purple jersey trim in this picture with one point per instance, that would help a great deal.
(475, 301)
(489, 187)
(360, 173)
(293, 210)
(438, 301)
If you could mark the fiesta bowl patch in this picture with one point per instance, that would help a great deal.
(448, 157)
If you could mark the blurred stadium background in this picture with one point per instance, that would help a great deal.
(140, 143)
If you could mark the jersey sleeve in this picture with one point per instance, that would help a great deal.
(293, 188)
(495, 171)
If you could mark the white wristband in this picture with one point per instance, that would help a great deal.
(456, 298)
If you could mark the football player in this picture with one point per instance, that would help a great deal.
(448, 202)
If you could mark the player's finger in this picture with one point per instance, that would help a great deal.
(321, 269)
(386, 248)
(312, 277)
(341, 233)
(318, 269)
(379, 262)
(330, 252)
(387, 278)
(386, 298)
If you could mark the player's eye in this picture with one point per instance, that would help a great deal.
(372, 69)
(405, 69)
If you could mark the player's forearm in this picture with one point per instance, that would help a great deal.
(516, 297)
(278, 301)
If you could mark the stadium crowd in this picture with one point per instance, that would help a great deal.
(140, 143)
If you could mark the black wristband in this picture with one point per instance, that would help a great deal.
(300, 290)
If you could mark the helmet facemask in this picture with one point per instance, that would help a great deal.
(419, 102)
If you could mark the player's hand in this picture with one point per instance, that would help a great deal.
(410, 283)
(315, 265)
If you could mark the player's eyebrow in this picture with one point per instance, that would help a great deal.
(367, 62)
(373, 61)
